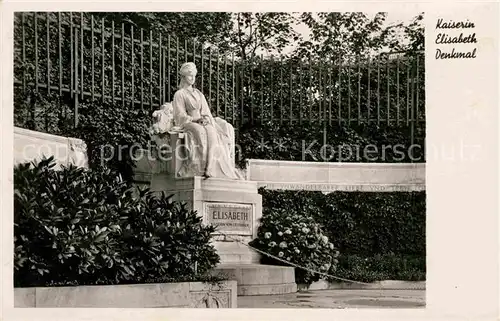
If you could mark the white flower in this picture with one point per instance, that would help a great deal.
(305, 230)
(280, 254)
(324, 238)
(268, 235)
(331, 246)
(288, 232)
(297, 251)
(280, 233)
(283, 245)
(272, 244)
(288, 259)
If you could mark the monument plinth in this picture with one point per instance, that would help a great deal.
(233, 206)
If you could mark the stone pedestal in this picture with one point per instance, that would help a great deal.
(235, 207)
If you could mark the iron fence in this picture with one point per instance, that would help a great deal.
(81, 60)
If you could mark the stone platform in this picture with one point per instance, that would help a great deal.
(259, 279)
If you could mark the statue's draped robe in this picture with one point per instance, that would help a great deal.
(206, 146)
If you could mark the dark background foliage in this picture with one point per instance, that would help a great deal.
(380, 235)
(77, 227)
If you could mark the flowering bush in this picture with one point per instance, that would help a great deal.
(296, 239)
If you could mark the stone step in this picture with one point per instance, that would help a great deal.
(260, 279)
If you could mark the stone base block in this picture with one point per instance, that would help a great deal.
(260, 279)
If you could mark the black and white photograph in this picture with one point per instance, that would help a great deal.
(233, 159)
(236, 160)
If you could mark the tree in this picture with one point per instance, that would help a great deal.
(337, 34)
(268, 31)
(211, 27)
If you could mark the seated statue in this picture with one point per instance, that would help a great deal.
(207, 143)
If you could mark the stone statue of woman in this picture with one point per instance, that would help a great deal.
(205, 140)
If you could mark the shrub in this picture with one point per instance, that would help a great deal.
(304, 142)
(113, 136)
(295, 238)
(81, 226)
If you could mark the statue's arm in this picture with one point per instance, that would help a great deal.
(180, 115)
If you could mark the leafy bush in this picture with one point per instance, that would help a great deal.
(81, 226)
(381, 267)
(295, 238)
(376, 228)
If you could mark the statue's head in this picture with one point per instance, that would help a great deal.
(188, 73)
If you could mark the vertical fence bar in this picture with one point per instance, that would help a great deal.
(261, 88)
(23, 32)
(281, 90)
(48, 51)
(241, 91)
(150, 69)
(168, 67)
(185, 50)
(251, 88)
(309, 98)
(112, 62)
(194, 51)
(103, 55)
(407, 93)
(132, 52)
(271, 92)
(290, 93)
(378, 90)
(71, 48)
(210, 76)
(359, 90)
(301, 113)
(218, 83)
(163, 73)
(320, 76)
(93, 54)
(177, 77)
(36, 51)
(233, 104)
(202, 67)
(413, 122)
(330, 96)
(397, 88)
(82, 61)
(388, 93)
(75, 119)
(59, 39)
(340, 92)
(225, 87)
(142, 68)
(417, 75)
(160, 59)
(369, 90)
(123, 65)
(349, 95)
